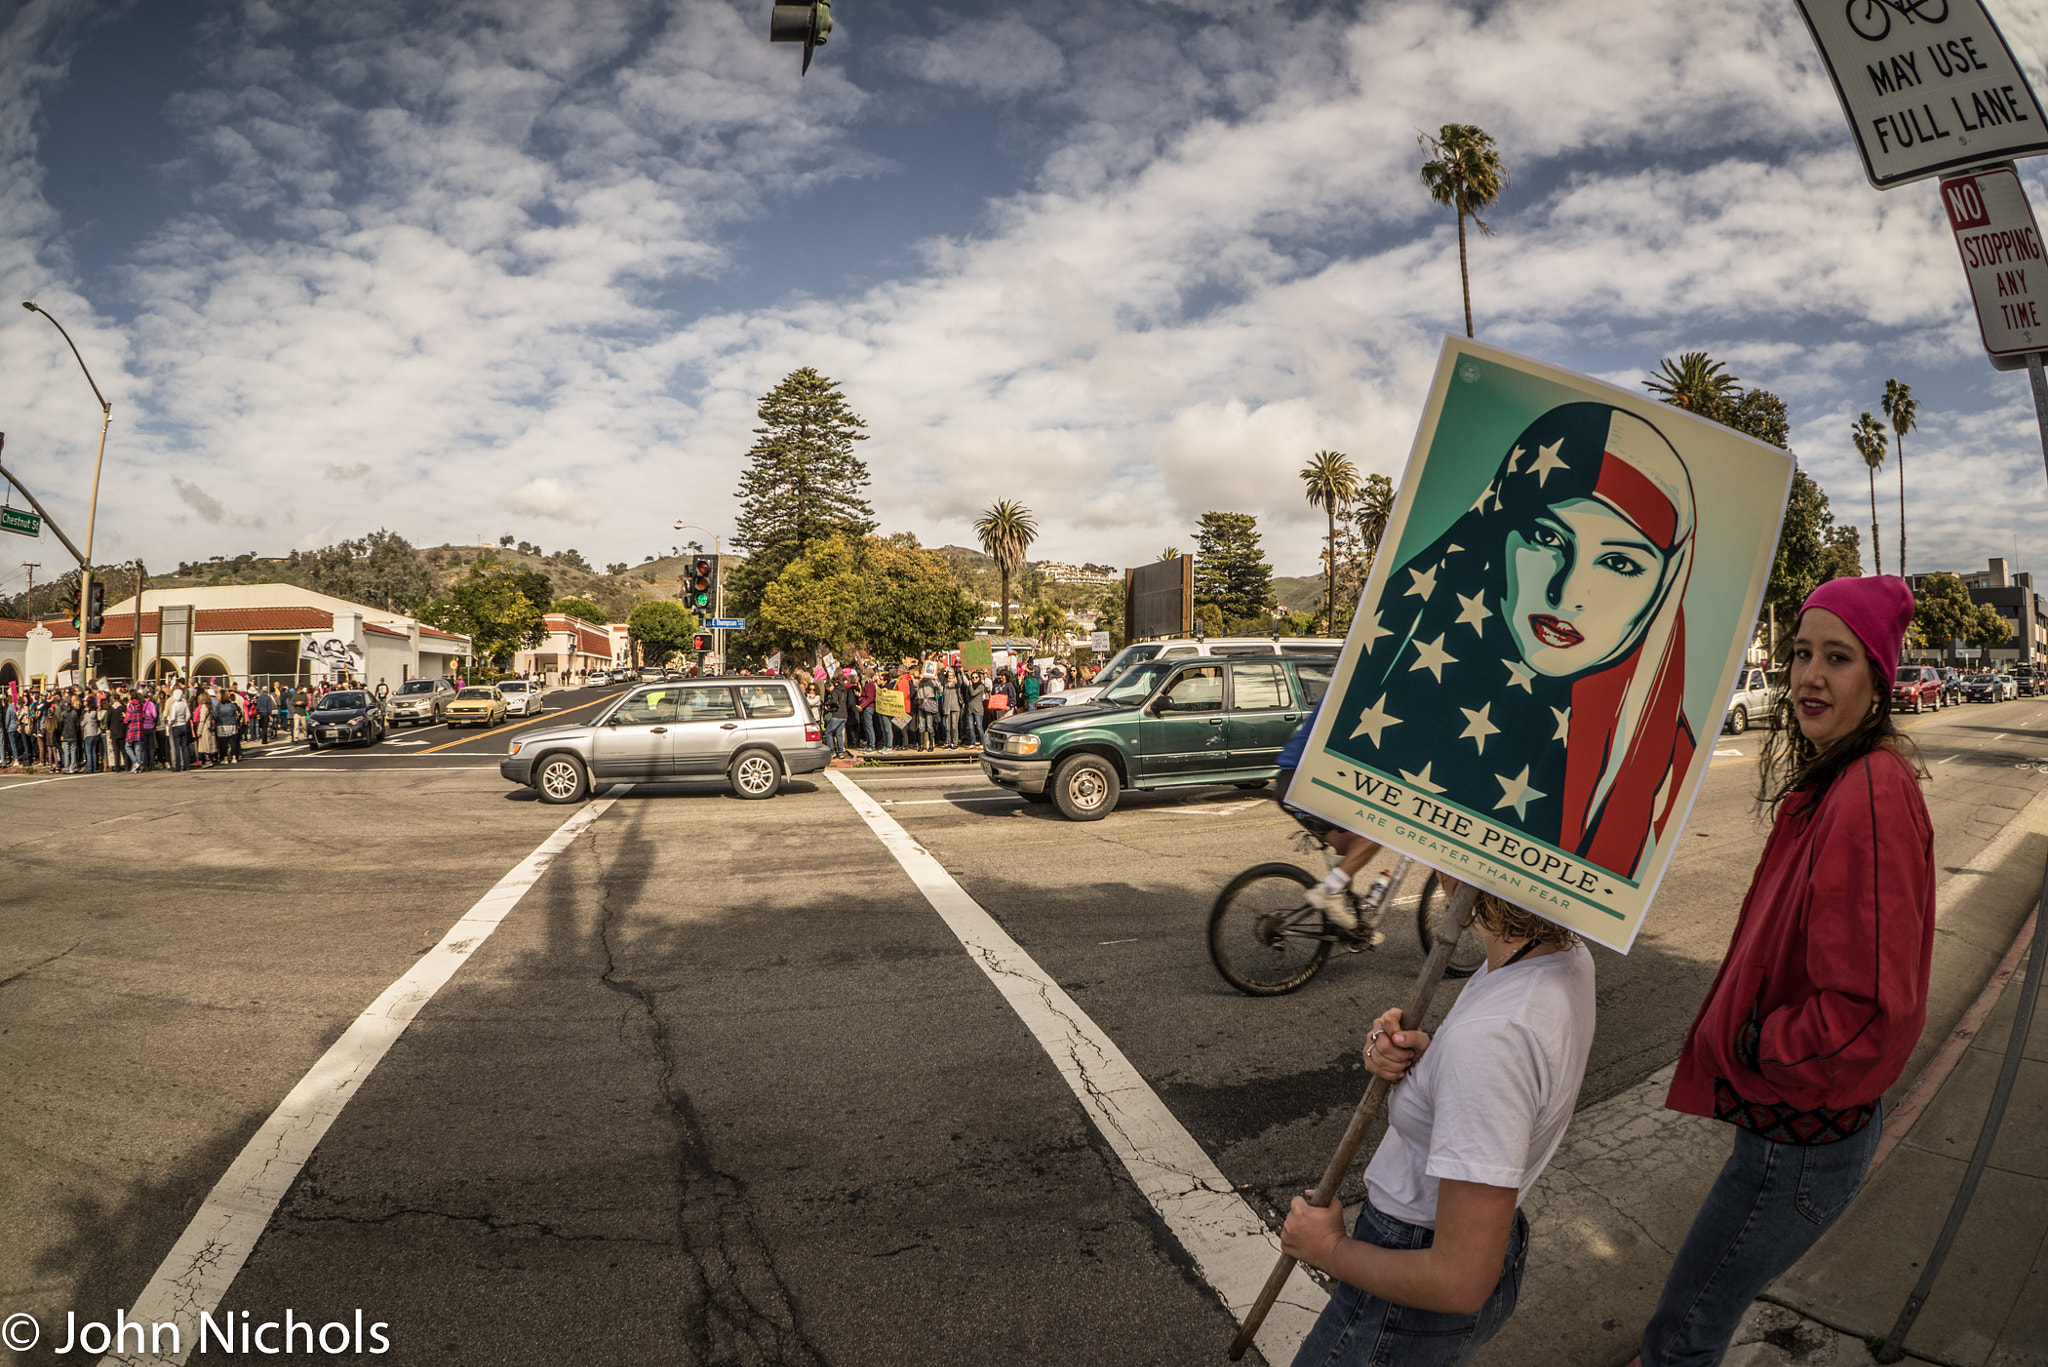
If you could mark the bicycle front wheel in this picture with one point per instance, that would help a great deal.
(1429, 913)
(1264, 937)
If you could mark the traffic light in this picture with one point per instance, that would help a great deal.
(699, 585)
(701, 642)
(96, 607)
(809, 24)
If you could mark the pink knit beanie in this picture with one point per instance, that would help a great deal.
(1877, 608)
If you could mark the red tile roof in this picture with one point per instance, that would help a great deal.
(385, 631)
(262, 619)
(12, 628)
(444, 635)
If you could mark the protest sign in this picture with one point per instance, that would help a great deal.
(889, 702)
(1564, 593)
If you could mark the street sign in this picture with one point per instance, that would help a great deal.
(20, 520)
(727, 624)
(2001, 249)
(1928, 85)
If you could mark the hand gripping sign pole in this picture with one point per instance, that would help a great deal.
(1453, 930)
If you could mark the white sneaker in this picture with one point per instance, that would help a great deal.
(1335, 907)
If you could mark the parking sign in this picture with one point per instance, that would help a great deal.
(2001, 249)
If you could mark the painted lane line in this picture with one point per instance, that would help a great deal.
(1231, 1246)
(196, 1273)
(1950, 760)
(39, 782)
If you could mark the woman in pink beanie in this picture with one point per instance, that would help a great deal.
(1824, 989)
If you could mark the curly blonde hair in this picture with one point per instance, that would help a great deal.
(1511, 922)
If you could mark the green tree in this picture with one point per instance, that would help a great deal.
(579, 607)
(1904, 411)
(1943, 613)
(1697, 383)
(916, 614)
(1332, 483)
(1841, 557)
(1006, 531)
(381, 570)
(1465, 174)
(887, 594)
(817, 602)
(803, 479)
(1170, 553)
(662, 627)
(499, 611)
(1868, 434)
(1231, 570)
(1048, 624)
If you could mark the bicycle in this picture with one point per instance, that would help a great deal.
(1266, 940)
(1872, 19)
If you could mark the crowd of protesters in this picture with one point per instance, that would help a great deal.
(130, 728)
(938, 706)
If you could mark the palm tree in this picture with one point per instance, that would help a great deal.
(1466, 174)
(1904, 411)
(1170, 553)
(1375, 508)
(1697, 383)
(1006, 531)
(1870, 443)
(1332, 482)
(1048, 624)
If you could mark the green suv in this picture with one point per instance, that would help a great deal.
(1170, 723)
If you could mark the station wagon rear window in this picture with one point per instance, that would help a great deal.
(766, 700)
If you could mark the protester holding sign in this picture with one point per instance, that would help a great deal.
(1435, 1261)
(1824, 989)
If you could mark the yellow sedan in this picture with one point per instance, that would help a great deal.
(478, 706)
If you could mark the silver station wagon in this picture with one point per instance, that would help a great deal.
(750, 731)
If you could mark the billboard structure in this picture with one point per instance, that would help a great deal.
(1566, 588)
(1159, 599)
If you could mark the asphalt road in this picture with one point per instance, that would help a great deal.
(723, 1087)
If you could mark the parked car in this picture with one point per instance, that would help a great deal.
(1755, 698)
(477, 705)
(1951, 686)
(2008, 687)
(522, 697)
(1223, 646)
(419, 702)
(752, 730)
(1164, 723)
(1982, 688)
(2026, 680)
(347, 716)
(1916, 688)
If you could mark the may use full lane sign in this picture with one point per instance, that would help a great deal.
(2001, 249)
(1928, 85)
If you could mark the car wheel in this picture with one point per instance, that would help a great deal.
(1255, 783)
(561, 779)
(755, 775)
(1085, 788)
(1738, 720)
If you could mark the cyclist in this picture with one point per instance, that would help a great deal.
(1354, 852)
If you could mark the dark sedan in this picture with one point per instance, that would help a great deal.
(1982, 688)
(346, 716)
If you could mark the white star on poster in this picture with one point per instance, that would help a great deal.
(1421, 780)
(1514, 456)
(1424, 585)
(1479, 503)
(1373, 633)
(1478, 726)
(1564, 723)
(1432, 656)
(1546, 461)
(1375, 719)
(1520, 676)
(1475, 610)
(1516, 793)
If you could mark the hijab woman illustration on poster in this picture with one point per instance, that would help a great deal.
(1563, 596)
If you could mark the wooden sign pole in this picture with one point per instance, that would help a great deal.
(1449, 933)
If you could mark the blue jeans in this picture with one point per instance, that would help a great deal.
(135, 752)
(974, 726)
(867, 728)
(181, 747)
(1770, 1204)
(1358, 1327)
(69, 750)
(835, 734)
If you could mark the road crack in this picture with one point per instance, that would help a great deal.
(45, 963)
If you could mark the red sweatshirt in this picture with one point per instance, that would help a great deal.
(1830, 955)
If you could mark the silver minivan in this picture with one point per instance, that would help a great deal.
(751, 730)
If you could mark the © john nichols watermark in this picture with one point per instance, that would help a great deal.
(232, 1334)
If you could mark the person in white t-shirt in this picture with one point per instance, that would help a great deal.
(1434, 1263)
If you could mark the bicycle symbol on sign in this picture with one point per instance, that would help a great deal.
(1872, 19)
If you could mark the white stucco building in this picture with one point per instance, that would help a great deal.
(242, 632)
(573, 647)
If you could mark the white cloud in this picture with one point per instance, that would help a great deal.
(551, 498)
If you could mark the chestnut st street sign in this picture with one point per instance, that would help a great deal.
(20, 520)
(1928, 85)
(2001, 249)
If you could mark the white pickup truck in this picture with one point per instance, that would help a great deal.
(1755, 698)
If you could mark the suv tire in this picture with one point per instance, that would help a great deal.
(1085, 787)
(561, 779)
(1738, 720)
(755, 775)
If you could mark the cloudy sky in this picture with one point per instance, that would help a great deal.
(479, 267)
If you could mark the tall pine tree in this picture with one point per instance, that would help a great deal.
(802, 485)
(1231, 571)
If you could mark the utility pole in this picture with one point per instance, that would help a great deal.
(135, 646)
(30, 611)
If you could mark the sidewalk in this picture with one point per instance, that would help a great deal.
(1612, 1209)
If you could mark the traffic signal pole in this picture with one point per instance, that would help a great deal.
(91, 508)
